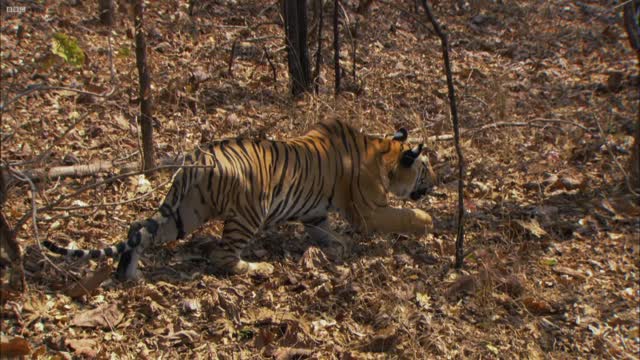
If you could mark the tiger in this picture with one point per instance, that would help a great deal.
(255, 184)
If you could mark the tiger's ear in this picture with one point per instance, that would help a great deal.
(409, 156)
(401, 135)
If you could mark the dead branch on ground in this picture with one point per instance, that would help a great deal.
(79, 170)
(97, 184)
(41, 87)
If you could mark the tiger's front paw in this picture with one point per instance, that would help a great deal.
(260, 268)
(421, 223)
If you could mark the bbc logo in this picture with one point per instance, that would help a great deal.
(16, 9)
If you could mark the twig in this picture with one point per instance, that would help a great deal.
(354, 47)
(112, 69)
(273, 67)
(568, 122)
(498, 125)
(456, 134)
(473, 131)
(41, 87)
(347, 25)
(621, 4)
(231, 57)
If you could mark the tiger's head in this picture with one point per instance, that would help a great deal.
(407, 170)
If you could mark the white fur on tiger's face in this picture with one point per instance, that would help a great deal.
(255, 184)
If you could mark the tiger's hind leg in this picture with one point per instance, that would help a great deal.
(226, 255)
(177, 217)
(319, 231)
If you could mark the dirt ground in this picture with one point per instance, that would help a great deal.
(551, 230)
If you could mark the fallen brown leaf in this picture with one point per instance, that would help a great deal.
(12, 348)
(533, 227)
(511, 285)
(83, 347)
(292, 353)
(463, 286)
(538, 306)
(314, 259)
(384, 341)
(105, 316)
(89, 284)
(571, 182)
(184, 336)
(263, 338)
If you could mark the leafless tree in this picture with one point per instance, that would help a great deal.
(295, 24)
(146, 118)
(632, 25)
(456, 132)
(107, 12)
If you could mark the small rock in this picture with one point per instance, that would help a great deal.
(191, 305)
(549, 179)
(538, 306)
(570, 183)
(70, 159)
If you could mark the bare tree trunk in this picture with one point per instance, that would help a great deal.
(631, 12)
(631, 23)
(107, 12)
(9, 247)
(456, 133)
(364, 6)
(634, 162)
(146, 118)
(316, 71)
(295, 24)
(336, 45)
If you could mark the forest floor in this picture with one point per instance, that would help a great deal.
(551, 231)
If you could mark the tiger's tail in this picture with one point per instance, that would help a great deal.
(111, 251)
